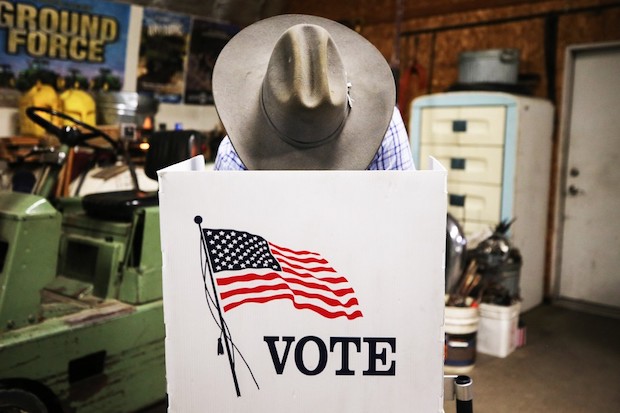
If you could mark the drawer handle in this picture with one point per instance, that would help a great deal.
(459, 126)
(457, 163)
(457, 200)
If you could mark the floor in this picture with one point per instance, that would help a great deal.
(570, 364)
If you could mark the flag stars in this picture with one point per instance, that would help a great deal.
(234, 250)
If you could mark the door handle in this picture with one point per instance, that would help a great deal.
(573, 190)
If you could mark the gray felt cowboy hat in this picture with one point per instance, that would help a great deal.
(303, 92)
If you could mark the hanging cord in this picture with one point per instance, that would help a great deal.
(224, 331)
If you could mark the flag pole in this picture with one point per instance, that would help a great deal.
(198, 220)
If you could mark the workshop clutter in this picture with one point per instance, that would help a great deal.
(499, 264)
(483, 303)
(125, 108)
(461, 327)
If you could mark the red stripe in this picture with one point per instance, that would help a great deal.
(301, 267)
(331, 280)
(273, 276)
(329, 301)
(304, 260)
(292, 251)
(227, 280)
(300, 306)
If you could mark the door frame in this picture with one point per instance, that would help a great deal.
(560, 177)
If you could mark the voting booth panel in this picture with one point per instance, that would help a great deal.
(303, 291)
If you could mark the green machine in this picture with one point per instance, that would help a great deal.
(81, 316)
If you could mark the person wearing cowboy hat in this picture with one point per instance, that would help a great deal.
(305, 92)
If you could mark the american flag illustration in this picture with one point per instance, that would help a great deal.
(250, 269)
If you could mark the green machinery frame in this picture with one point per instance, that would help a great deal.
(81, 313)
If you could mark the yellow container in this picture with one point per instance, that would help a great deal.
(80, 105)
(39, 95)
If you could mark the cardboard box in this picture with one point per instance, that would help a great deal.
(362, 333)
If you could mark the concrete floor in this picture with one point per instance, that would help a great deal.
(570, 364)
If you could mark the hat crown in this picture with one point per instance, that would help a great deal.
(304, 91)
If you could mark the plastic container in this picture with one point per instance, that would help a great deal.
(461, 327)
(498, 329)
(489, 66)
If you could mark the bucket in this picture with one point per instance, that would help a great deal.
(461, 328)
(498, 330)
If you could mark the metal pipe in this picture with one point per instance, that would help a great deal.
(464, 394)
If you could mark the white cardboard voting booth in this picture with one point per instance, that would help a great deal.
(303, 291)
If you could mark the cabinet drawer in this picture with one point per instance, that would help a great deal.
(468, 125)
(466, 163)
(474, 202)
(473, 228)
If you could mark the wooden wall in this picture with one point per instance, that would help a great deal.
(428, 52)
(429, 47)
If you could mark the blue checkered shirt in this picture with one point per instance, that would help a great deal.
(393, 154)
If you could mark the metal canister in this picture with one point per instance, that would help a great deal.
(125, 107)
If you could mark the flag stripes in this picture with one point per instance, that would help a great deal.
(249, 269)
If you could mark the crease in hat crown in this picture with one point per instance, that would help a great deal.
(304, 92)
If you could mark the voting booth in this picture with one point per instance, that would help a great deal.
(303, 291)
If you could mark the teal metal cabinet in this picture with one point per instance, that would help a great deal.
(497, 150)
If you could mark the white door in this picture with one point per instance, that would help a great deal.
(590, 249)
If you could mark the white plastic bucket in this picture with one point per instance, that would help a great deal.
(497, 335)
(461, 328)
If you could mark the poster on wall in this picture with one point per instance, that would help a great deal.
(207, 41)
(163, 52)
(63, 43)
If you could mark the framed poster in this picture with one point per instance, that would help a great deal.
(163, 52)
(207, 40)
(57, 42)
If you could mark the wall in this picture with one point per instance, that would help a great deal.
(428, 50)
(433, 44)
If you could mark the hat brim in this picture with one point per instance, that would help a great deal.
(237, 80)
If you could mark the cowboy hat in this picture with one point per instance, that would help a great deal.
(303, 92)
